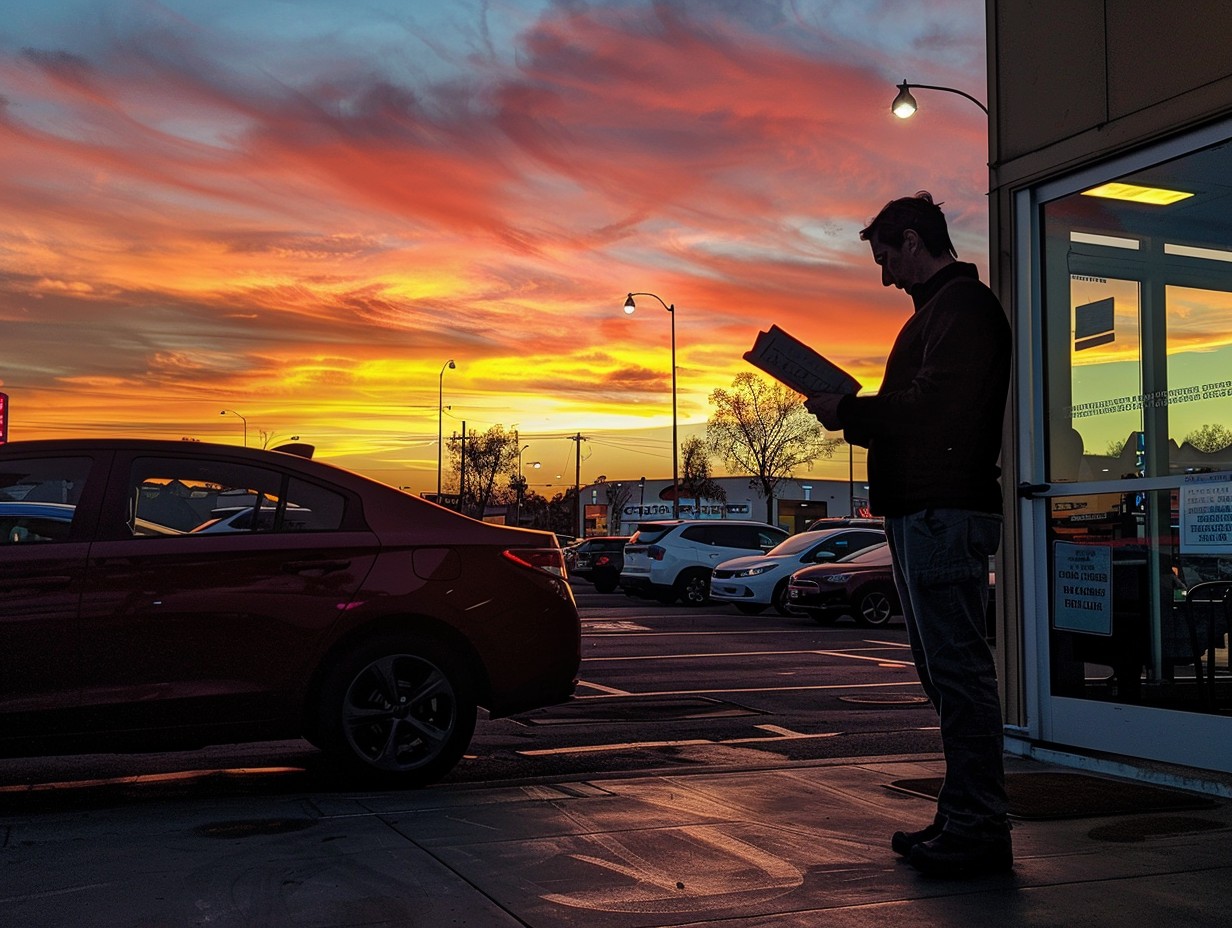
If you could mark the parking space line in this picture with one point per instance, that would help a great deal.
(860, 657)
(776, 734)
(668, 657)
(606, 690)
(764, 689)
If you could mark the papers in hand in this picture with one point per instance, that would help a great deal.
(796, 365)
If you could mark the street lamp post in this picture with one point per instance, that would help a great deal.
(440, 422)
(630, 306)
(242, 419)
(904, 105)
(517, 517)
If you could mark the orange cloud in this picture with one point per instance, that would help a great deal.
(307, 239)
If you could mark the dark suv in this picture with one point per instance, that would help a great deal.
(673, 559)
(600, 560)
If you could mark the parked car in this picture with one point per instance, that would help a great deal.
(672, 559)
(373, 629)
(260, 515)
(860, 585)
(826, 522)
(600, 560)
(755, 581)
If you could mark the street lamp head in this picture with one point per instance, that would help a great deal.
(630, 305)
(904, 105)
(451, 365)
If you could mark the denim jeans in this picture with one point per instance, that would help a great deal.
(940, 559)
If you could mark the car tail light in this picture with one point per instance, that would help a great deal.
(549, 560)
(656, 552)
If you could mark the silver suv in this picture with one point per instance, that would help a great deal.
(672, 559)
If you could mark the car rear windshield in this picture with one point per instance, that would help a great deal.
(649, 534)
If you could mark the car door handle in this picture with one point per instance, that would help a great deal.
(316, 568)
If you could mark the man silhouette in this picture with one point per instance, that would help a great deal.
(933, 433)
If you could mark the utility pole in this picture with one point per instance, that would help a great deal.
(577, 484)
(462, 470)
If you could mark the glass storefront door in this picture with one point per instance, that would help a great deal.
(1129, 522)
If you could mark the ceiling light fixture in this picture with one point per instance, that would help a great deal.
(1134, 193)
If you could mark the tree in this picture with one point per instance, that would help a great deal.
(488, 455)
(617, 498)
(1210, 438)
(762, 428)
(695, 479)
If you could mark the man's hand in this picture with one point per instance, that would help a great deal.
(825, 407)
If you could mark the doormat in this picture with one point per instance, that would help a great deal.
(1074, 795)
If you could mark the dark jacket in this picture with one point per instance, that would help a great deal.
(933, 431)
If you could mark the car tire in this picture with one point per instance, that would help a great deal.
(606, 584)
(875, 606)
(750, 608)
(693, 586)
(782, 600)
(397, 711)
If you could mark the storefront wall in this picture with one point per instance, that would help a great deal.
(1122, 396)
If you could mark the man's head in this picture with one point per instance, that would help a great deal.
(910, 240)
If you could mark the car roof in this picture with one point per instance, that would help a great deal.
(668, 523)
(36, 507)
(400, 515)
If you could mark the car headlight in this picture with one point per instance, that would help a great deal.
(753, 571)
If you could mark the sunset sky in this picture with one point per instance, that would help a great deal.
(299, 210)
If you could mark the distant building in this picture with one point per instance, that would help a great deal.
(614, 507)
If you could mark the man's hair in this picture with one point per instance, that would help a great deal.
(918, 213)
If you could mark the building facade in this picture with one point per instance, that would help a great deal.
(614, 507)
(1111, 247)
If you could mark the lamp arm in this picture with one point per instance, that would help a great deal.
(961, 93)
(670, 309)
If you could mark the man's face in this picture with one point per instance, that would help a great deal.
(897, 265)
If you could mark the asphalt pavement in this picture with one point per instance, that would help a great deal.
(803, 844)
(788, 844)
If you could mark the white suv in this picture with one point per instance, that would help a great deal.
(672, 560)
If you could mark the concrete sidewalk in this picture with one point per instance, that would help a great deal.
(800, 845)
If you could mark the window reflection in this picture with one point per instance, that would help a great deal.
(1156, 650)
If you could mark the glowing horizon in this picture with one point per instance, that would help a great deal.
(303, 217)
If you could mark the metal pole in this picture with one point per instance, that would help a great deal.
(675, 441)
(851, 482)
(462, 470)
(630, 306)
(577, 486)
(440, 420)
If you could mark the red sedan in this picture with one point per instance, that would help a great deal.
(859, 585)
(368, 621)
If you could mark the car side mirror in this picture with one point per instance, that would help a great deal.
(821, 556)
